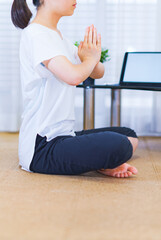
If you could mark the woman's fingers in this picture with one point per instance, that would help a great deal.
(86, 36)
(80, 45)
(95, 37)
(99, 40)
(90, 36)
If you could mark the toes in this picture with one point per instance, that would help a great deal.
(133, 170)
(117, 175)
(129, 173)
(122, 175)
(126, 174)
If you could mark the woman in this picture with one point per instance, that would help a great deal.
(51, 66)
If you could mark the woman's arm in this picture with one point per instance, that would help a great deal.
(89, 53)
(98, 71)
(73, 74)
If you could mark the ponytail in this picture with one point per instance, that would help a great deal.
(21, 14)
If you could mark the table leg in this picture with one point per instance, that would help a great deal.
(89, 97)
(115, 107)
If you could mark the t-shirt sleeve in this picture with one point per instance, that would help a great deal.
(46, 46)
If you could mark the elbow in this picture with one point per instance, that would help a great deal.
(98, 71)
(98, 76)
(102, 72)
(76, 80)
(72, 80)
(74, 77)
(101, 76)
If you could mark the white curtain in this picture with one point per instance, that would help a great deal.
(10, 108)
(125, 25)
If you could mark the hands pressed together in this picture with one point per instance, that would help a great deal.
(90, 48)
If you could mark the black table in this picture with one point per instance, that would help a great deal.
(89, 98)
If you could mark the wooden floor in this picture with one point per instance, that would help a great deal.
(90, 206)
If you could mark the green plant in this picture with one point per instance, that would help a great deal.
(104, 53)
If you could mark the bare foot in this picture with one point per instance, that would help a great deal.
(124, 170)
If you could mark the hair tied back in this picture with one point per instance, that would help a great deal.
(21, 14)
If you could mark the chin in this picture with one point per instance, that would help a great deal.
(70, 14)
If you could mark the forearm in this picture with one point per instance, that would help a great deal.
(98, 71)
(84, 70)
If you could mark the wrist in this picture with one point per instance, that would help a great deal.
(97, 64)
(90, 61)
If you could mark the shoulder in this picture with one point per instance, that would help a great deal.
(35, 31)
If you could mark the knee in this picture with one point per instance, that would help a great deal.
(129, 132)
(134, 142)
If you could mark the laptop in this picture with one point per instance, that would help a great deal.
(141, 70)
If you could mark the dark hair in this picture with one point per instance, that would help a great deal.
(21, 14)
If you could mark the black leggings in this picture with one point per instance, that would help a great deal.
(89, 150)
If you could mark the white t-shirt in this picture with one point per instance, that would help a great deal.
(48, 102)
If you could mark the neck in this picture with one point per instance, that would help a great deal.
(48, 19)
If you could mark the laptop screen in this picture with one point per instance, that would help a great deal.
(141, 68)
